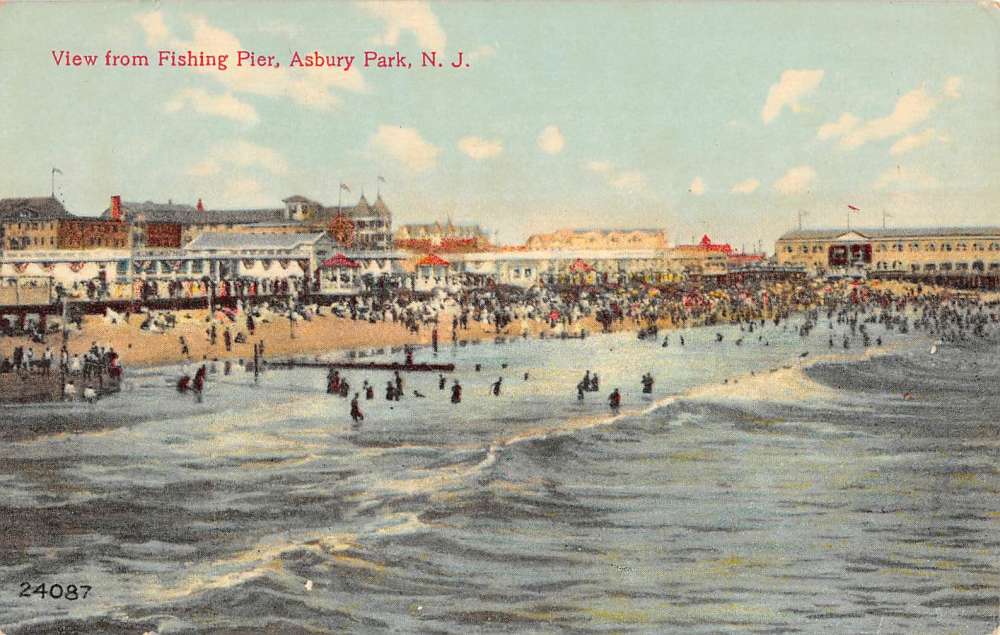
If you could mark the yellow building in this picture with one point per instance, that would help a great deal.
(923, 250)
(599, 239)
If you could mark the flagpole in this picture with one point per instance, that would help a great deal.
(340, 196)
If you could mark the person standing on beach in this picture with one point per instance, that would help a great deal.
(456, 393)
(399, 385)
(441, 381)
(227, 339)
(496, 386)
(615, 400)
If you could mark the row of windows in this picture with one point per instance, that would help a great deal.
(899, 247)
(23, 242)
(978, 265)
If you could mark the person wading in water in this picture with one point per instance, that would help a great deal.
(356, 413)
(615, 400)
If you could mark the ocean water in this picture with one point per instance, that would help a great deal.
(757, 491)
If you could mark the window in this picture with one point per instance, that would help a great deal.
(197, 266)
(945, 247)
(121, 268)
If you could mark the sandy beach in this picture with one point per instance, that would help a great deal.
(322, 334)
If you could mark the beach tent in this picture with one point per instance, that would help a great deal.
(579, 266)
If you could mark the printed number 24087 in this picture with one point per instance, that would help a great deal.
(55, 591)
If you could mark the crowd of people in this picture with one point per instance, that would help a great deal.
(856, 315)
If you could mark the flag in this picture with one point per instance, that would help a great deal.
(853, 209)
(381, 179)
(116, 207)
(343, 186)
(56, 170)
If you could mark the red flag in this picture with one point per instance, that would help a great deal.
(201, 206)
(853, 209)
(116, 207)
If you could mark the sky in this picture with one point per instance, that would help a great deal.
(723, 118)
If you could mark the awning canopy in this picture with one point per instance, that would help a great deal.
(339, 260)
(432, 260)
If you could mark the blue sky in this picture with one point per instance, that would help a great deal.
(724, 118)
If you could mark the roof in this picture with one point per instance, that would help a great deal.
(39, 207)
(561, 254)
(432, 260)
(236, 241)
(339, 260)
(890, 233)
(187, 215)
(580, 265)
(380, 207)
(298, 198)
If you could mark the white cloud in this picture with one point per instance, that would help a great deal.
(793, 85)
(203, 102)
(746, 186)
(551, 140)
(601, 167)
(697, 186)
(479, 148)
(406, 146)
(154, 27)
(625, 180)
(407, 15)
(481, 53)
(953, 87)
(629, 180)
(240, 154)
(796, 180)
(838, 128)
(905, 178)
(245, 191)
(309, 87)
(911, 109)
(914, 141)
